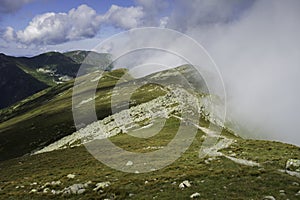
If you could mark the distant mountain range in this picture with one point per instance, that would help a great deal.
(21, 77)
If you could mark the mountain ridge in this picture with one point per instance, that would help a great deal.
(44, 70)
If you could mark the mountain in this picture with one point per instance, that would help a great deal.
(33, 74)
(56, 164)
(15, 84)
(22, 131)
(90, 58)
(61, 67)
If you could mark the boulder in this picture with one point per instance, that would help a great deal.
(185, 184)
(74, 189)
(269, 198)
(70, 176)
(33, 191)
(101, 185)
(293, 165)
(195, 195)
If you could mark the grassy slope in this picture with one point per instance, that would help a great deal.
(220, 179)
(38, 75)
(47, 116)
(12, 78)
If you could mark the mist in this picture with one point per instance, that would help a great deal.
(258, 55)
(255, 45)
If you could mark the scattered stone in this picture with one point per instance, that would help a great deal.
(269, 198)
(131, 195)
(185, 184)
(298, 193)
(34, 183)
(46, 190)
(282, 192)
(292, 173)
(80, 191)
(161, 107)
(233, 155)
(146, 182)
(54, 183)
(87, 184)
(195, 195)
(101, 185)
(54, 192)
(293, 165)
(33, 191)
(70, 176)
(74, 189)
(129, 163)
(295, 184)
(45, 185)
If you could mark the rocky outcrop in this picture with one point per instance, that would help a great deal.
(195, 195)
(293, 165)
(177, 100)
(185, 184)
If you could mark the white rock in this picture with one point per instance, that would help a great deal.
(295, 184)
(101, 185)
(298, 193)
(293, 165)
(80, 191)
(33, 191)
(46, 185)
(129, 163)
(76, 187)
(53, 183)
(185, 184)
(87, 184)
(46, 190)
(176, 100)
(70, 176)
(269, 198)
(195, 195)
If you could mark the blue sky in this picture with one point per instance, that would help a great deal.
(27, 28)
(19, 17)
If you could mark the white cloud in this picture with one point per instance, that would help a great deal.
(256, 48)
(124, 17)
(255, 45)
(154, 11)
(187, 14)
(54, 28)
(9, 34)
(82, 22)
